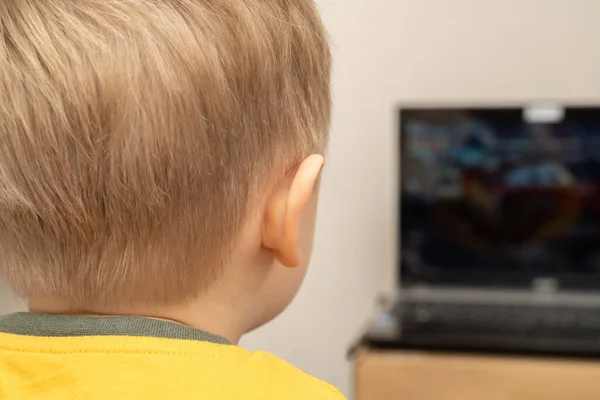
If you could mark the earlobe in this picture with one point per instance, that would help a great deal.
(273, 219)
(285, 208)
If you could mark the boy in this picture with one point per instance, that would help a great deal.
(159, 162)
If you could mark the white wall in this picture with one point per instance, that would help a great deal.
(8, 302)
(392, 51)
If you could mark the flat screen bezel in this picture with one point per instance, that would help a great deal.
(483, 278)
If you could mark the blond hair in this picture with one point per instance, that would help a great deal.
(133, 134)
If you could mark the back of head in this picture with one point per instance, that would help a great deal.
(133, 136)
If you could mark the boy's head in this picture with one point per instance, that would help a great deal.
(152, 149)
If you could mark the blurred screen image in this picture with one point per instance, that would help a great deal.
(483, 189)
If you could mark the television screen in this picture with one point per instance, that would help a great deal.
(488, 193)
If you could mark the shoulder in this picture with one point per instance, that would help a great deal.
(294, 382)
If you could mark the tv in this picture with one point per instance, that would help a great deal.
(500, 196)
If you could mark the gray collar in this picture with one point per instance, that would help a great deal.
(45, 325)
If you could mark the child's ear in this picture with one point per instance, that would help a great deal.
(284, 210)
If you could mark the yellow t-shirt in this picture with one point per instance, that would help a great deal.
(85, 358)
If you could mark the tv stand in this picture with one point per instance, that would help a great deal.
(422, 375)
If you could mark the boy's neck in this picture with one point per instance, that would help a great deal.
(217, 319)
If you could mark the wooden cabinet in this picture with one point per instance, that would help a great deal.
(398, 375)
